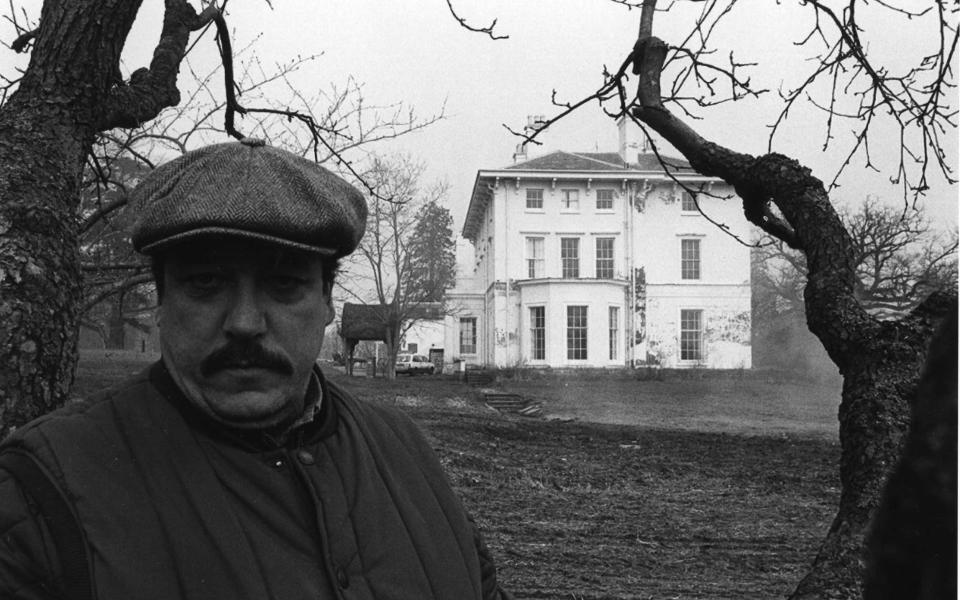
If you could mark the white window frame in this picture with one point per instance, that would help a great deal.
(691, 267)
(534, 208)
(533, 332)
(460, 332)
(699, 341)
(535, 262)
(613, 198)
(611, 259)
(613, 332)
(688, 203)
(568, 330)
(570, 200)
(563, 269)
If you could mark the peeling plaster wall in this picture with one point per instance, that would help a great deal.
(726, 326)
(648, 221)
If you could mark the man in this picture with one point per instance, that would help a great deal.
(231, 469)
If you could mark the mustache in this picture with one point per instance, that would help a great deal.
(244, 354)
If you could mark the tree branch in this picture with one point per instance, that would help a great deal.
(151, 90)
(487, 30)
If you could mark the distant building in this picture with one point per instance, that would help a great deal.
(422, 332)
(602, 260)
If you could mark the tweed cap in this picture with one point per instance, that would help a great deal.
(252, 190)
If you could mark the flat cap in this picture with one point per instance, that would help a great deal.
(248, 189)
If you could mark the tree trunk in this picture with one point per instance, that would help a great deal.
(116, 336)
(392, 344)
(41, 158)
(70, 91)
(874, 418)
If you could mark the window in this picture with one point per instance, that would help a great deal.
(614, 332)
(691, 334)
(534, 199)
(468, 335)
(570, 199)
(689, 259)
(538, 333)
(604, 199)
(604, 258)
(688, 203)
(570, 257)
(534, 257)
(577, 332)
(412, 348)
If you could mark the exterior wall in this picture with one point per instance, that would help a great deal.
(426, 335)
(555, 296)
(647, 223)
(553, 222)
(661, 224)
(722, 290)
(725, 336)
(464, 305)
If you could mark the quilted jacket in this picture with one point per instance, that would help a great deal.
(353, 506)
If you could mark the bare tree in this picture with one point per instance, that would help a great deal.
(389, 257)
(880, 359)
(900, 259)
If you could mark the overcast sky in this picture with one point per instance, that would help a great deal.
(413, 51)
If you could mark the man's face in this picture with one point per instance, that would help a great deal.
(241, 324)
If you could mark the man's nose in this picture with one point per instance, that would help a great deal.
(246, 316)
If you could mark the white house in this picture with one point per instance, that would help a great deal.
(603, 260)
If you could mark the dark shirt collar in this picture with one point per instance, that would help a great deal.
(318, 421)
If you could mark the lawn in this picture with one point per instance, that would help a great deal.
(716, 486)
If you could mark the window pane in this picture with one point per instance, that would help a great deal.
(577, 332)
(570, 257)
(534, 257)
(570, 199)
(468, 335)
(688, 202)
(534, 198)
(614, 332)
(690, 259)
(605, 258)
(691, 335)
(538, 333)
(604, 199)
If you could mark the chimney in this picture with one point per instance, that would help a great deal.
(634, 142)
(534, 124)
(631, 139)
(520, 154)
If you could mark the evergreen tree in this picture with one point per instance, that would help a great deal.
(432, 254)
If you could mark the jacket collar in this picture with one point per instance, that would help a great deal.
(308, 431)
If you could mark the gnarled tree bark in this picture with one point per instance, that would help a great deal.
(880, 361)
(71, 91)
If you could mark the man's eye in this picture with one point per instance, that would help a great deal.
(285, 283)
(204, 282)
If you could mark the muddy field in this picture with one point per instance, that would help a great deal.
(732, 507)
(577, 510)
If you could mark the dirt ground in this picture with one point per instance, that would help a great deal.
(716, 488)
(725, 494)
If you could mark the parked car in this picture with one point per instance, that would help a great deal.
(414, 364)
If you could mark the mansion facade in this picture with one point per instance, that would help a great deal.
(602, 260)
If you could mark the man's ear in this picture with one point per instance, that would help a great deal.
(331, 313)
